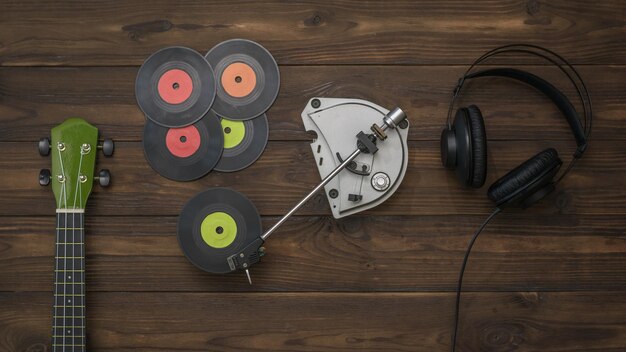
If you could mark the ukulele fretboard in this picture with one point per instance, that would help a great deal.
(68, 323)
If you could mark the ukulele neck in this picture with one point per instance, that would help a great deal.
(68, 325)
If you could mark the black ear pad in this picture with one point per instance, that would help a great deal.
(532, 176)
(448, 148)
(479, 147)
(458, 142)
(464, 147)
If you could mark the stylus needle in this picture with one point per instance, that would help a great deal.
(248, 275)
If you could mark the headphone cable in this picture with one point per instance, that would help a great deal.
(462, 272)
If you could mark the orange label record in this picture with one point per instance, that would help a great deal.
(238, 79)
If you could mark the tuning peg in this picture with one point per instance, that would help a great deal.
(44, 146)
(104, 178)
(107, 146)
(44, 177)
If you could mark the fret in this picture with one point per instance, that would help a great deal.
(70, 294)
(68, 318)
(77, 329)
(69, 265)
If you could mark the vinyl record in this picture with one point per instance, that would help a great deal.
(244, 142)
(175, 87)
(186, 153)
(216, 224)
(247, 78)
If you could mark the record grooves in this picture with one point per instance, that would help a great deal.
(175, 87)
(244, 142)
(187, 153)
(247, 78)
(216, 224)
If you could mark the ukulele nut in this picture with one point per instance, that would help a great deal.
(82, 178)
(61, 178)
(61, 146)
(85, 148)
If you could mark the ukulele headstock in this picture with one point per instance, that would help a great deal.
(73, 146)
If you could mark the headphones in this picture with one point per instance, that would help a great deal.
(464, 140)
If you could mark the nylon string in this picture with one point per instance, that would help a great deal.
(73, 258)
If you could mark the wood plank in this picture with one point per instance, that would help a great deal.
(36, 99)
(523, 321)
(596, 186)
(309, 32)
(516, 252)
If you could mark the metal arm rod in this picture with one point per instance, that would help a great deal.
(326, 179)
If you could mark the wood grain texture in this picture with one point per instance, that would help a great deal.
(311, 322)
(428, 188)
(309, 32)
(359, 253)
(36, 99)
(550, 278)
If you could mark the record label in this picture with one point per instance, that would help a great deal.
(175, 86)
(234, 133)
(218, 229)
(183, 142)
(238, 80)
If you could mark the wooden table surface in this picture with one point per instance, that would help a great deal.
(551, 278)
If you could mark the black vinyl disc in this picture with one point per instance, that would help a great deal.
(186, 153)
(175, 87)
(244, 142)
(247, 79)
(214, 225)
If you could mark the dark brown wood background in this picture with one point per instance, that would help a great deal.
(551, 278)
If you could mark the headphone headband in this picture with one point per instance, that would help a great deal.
(557, 97)
(581, 133)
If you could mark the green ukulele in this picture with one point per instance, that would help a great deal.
(73, 147)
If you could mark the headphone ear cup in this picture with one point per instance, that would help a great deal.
(479, 147)
(530, 180)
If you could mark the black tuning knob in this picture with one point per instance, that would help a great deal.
(44, 146)
(44, 177)
(108, 147)
(104, 178)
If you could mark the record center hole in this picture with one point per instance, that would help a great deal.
(219, 230)
(238, 79)
(176, 85)
(227, 130)
(183, 139)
